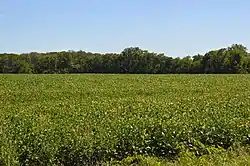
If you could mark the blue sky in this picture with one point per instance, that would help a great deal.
(175, 27)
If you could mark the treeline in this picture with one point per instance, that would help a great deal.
(234, 59)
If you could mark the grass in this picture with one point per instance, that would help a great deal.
(96, 119)
(239, 157)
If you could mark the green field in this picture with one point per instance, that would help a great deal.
(90, 119)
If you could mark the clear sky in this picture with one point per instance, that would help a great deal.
(175, 27)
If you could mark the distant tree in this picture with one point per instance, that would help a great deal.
(234, 59)
(197, 66)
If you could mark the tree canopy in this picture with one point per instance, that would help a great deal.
(234, 59)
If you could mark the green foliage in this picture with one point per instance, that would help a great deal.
(137, 160)
(237, 157)
(93, 119)
(234, 59)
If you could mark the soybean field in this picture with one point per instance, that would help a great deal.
(105, 119)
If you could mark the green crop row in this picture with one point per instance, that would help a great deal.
(93, 119)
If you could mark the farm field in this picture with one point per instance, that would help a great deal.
(109, 119)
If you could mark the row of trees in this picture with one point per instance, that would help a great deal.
(234, 59)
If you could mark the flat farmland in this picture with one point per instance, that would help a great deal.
(98, 119)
